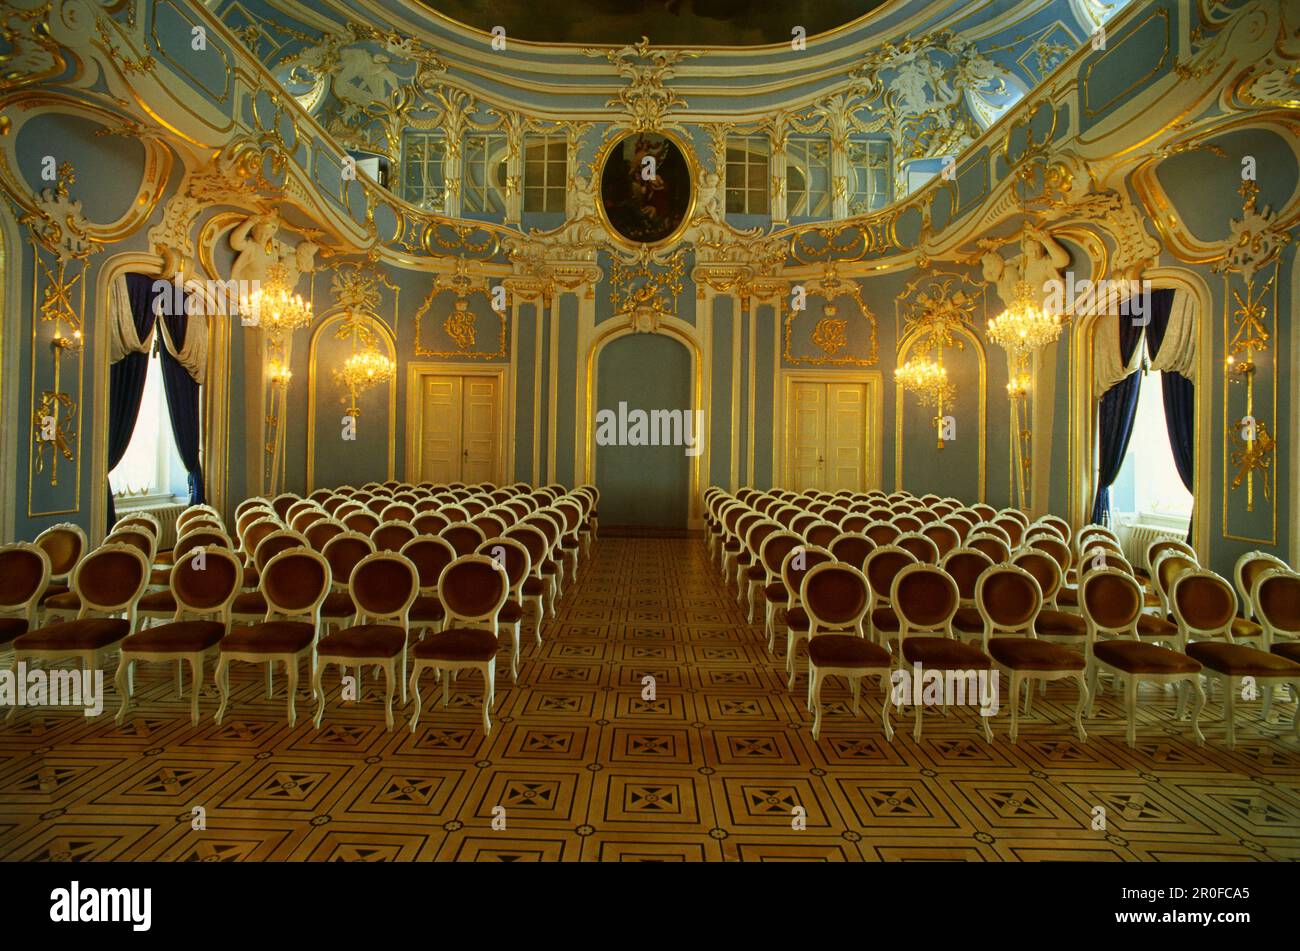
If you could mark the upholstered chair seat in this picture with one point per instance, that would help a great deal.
(846, 650)
(86, 634)
(270, 637)
(362, 641)
(944, 653)
(1026, 653)
(458, 643)
(177, 636)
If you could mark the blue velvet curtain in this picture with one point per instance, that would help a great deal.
(1115, 419)
(126, 380)
(183, 406)
(1179, 393)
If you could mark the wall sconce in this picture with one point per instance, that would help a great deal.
(279, 373)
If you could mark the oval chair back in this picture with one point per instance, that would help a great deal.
(1248, 569)
(1203, 605)
(944, 536)
(274, 544)
(512, 556)
(1008, 599)
(836, 597)
(362, 521)
(24, 576)
(921, 546)
(881, 567)
(997, 550)
(321, 532)
(110, 580)
(882, 533)
(430, 555)
(965, 565)
(391, 536)
(1276, 597)
(344, 552)
(926, 599)
(473, 589)
(491, 525)
(383, 586)
(295, 583)
(464, 537)
(205, 581)
(1045, 571)
(851, 548)
(798, 561)
(1111, 601)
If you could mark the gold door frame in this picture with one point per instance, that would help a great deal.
(874, 380)
(414, 436)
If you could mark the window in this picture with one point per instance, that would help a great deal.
(1148, 486)
(151, 469)
(808, 178)
(483, 188)
(546, 173)
(424, 179)
(749, 166)
(870, 178)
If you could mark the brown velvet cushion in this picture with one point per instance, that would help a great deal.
(160, 577)
(11, 627)
(884, 619)
(53, 591)
(945, 654)
(1009, 598)
(86, 634)
(426, 608)
(510, 612)
(338, 604)
(251, 576)
(1243, 628)
(744, 558)
(550, 567)
(1060, 624)
(20, 575)
(1135, 657)
(1279, 601)
(157, 601)
(925, 598)
(1026, 653)
(1068, 596)
(1290, 650)
(796, 619)
(731, 544)
(1151, 626)
(837, 595)
(364, 640)
(776, 592)
(250, 602)
(968, 621)
(1238, 660)
(534, 587)
(756, 573)
(458, 643)
(63, 548)
(296, 581)
(271, 637)
(846, 650)
(183, 637)
(65, 601)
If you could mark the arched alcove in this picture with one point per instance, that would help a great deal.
(645, 485)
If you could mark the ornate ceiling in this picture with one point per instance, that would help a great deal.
(712, 23)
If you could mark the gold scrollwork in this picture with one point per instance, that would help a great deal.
(831, 289)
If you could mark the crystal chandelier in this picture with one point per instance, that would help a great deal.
(928, 380)
(366, 367)
(1026, 325)
(275, 306)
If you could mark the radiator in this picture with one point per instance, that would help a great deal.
(166, 515)
(1139, 537)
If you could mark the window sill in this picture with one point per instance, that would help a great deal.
(1154, 519)
(135, 502)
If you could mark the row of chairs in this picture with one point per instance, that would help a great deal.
(291, 590)
(770, 542)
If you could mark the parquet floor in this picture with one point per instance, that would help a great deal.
(719, 765)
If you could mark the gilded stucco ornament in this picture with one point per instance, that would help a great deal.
(646, 100)
(1255, 238)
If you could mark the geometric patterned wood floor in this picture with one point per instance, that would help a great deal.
(712, 769)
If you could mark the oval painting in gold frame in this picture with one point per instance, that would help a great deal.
(647, 190)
